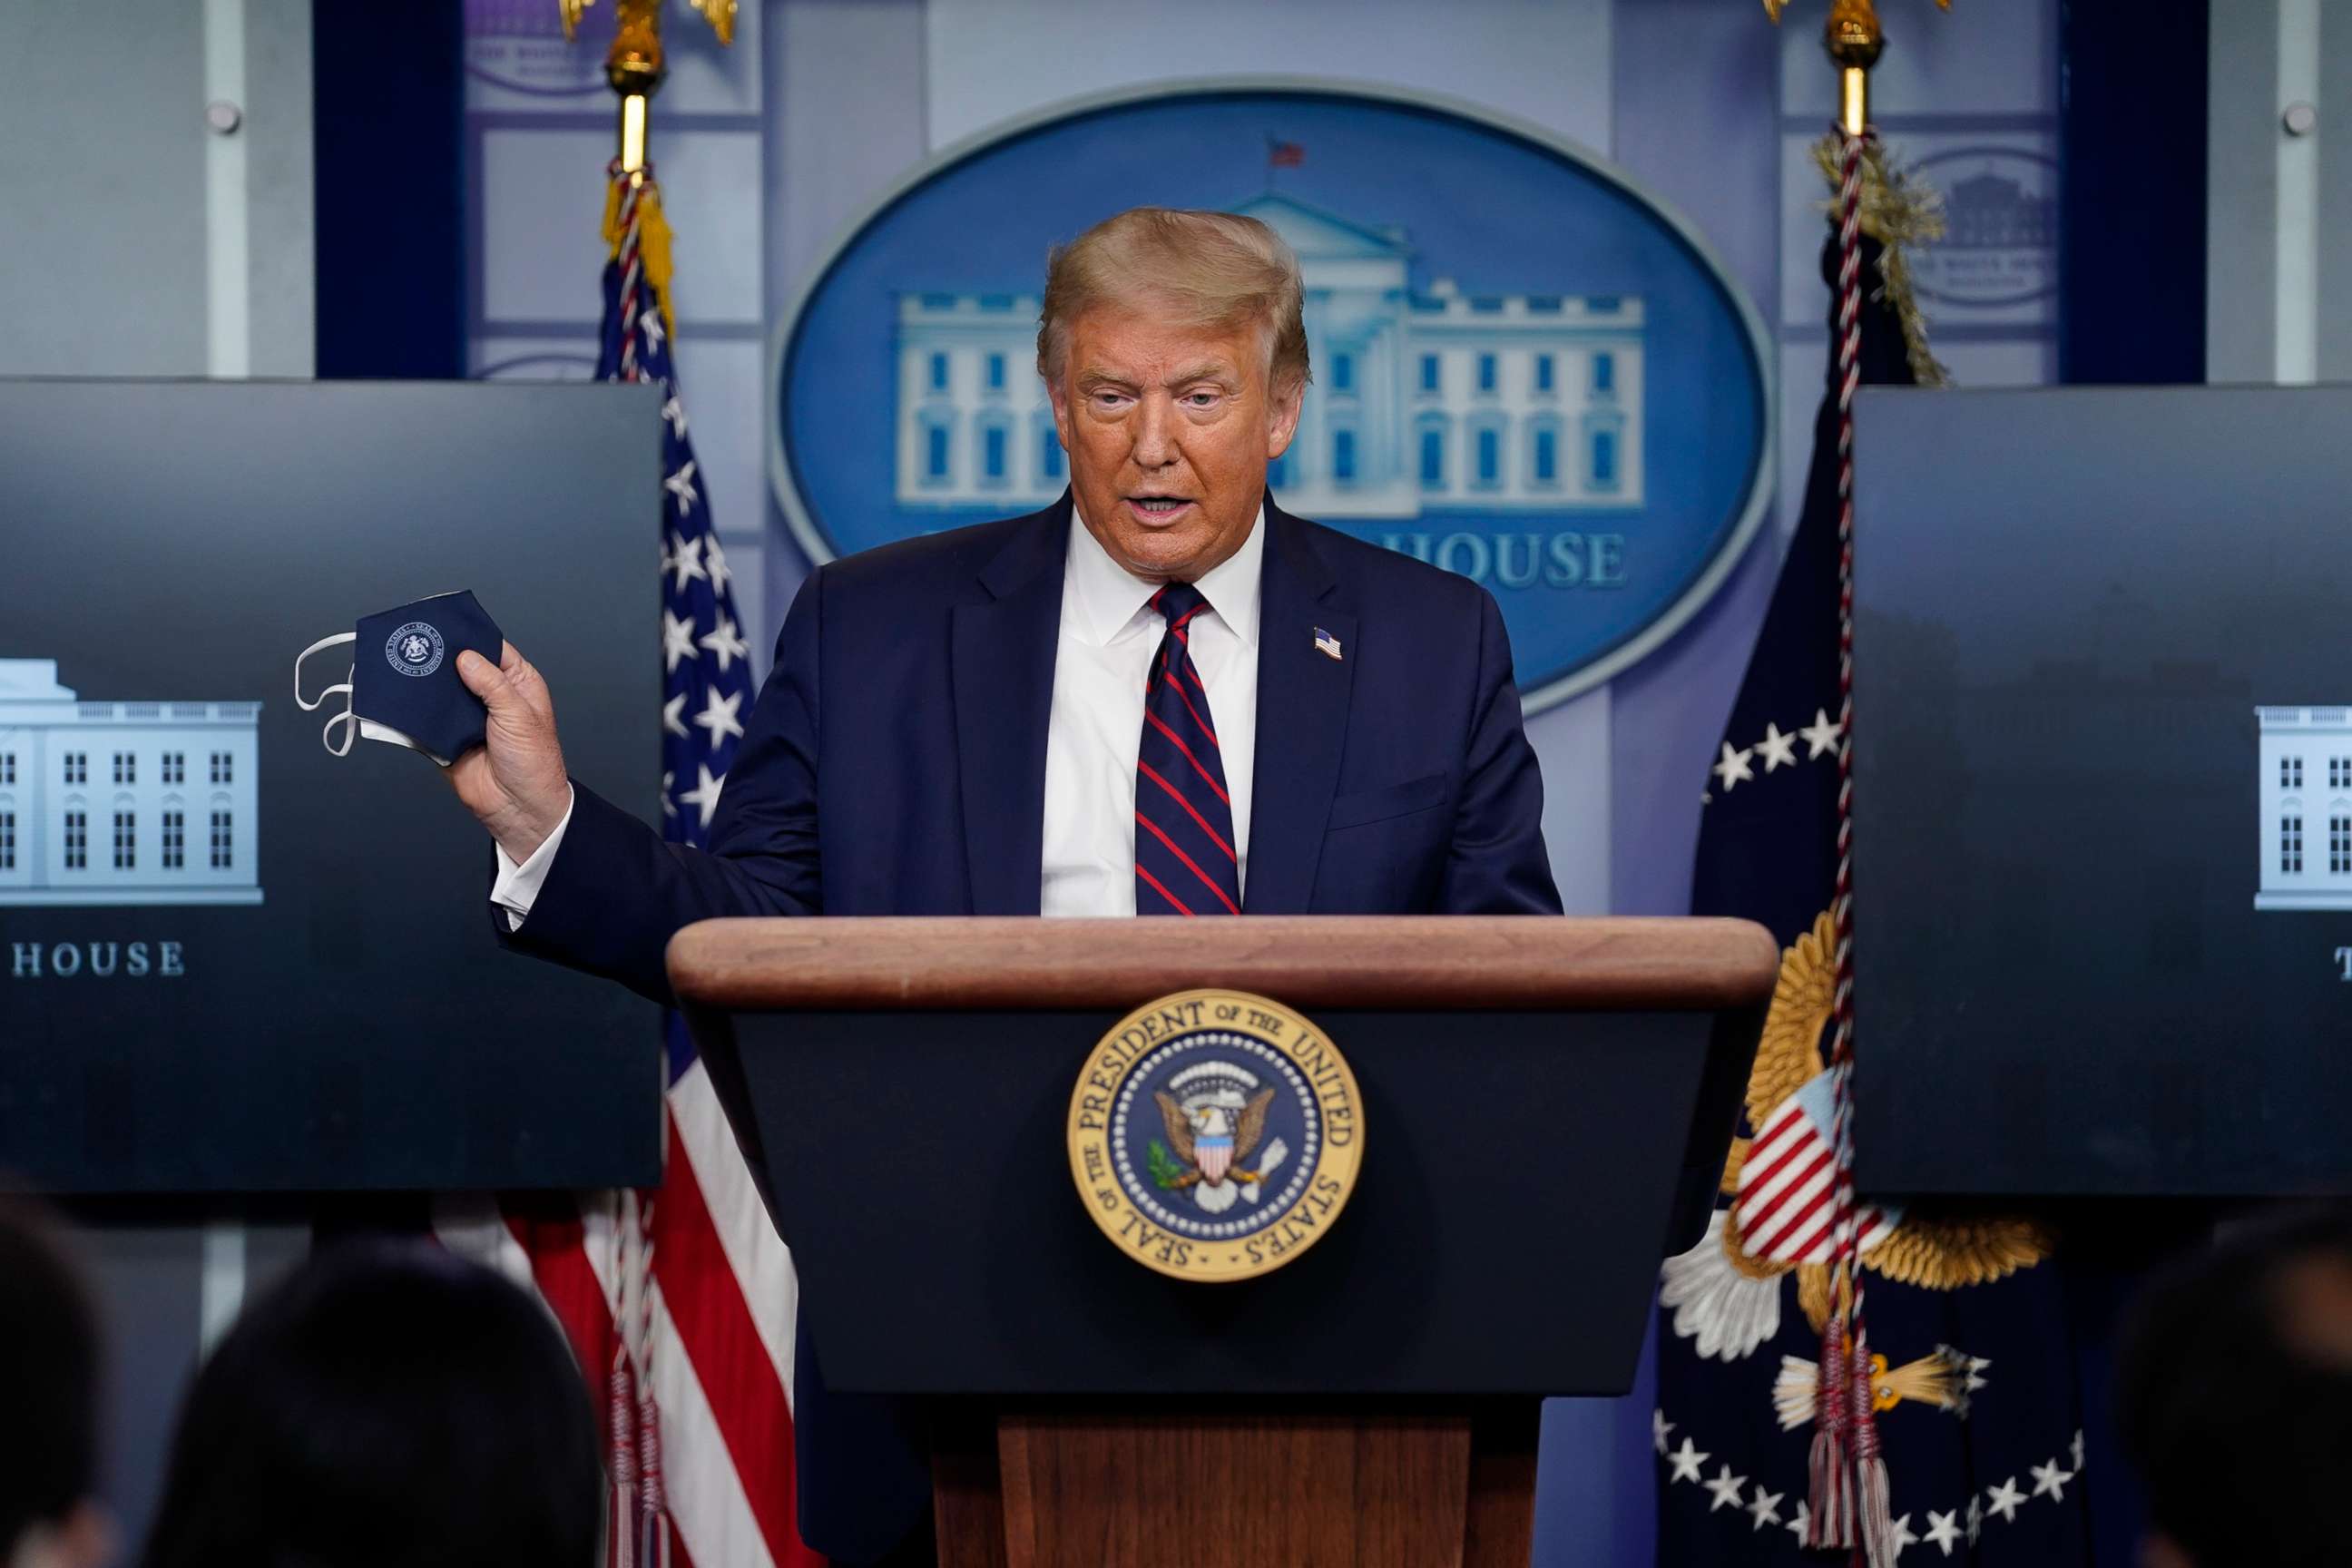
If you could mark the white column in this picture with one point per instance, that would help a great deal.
(228, 353)
(228, 327)
(2295, 330)
(2278, 238)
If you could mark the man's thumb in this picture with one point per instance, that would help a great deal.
(483, 679)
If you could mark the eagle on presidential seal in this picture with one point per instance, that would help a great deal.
(1215, 1116)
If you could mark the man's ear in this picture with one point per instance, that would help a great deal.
(1282, 426)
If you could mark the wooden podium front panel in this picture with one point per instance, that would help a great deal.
(1317, 1491)
(1122, 1490)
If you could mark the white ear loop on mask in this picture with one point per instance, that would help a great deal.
(350, 731)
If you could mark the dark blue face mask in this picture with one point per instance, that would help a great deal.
(403, 686)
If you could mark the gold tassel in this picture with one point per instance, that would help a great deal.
(1899, 210)
(653, 241)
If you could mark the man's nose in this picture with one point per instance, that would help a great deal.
(1155, 433)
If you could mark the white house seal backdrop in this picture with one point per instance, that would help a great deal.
(1526, 370)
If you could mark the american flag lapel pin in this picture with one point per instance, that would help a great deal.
(1325, 643)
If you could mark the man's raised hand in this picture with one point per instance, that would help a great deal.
(514, 782)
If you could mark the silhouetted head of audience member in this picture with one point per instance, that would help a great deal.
(48, 1403)
(2235, 1399)
(387, 1404)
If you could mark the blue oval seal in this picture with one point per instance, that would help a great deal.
(1526, 370)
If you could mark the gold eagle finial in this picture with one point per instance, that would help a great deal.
(1844, 12)
(634, 65)
(719, 13)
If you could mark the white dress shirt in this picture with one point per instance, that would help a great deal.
(1109, 633)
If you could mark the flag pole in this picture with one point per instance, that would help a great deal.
(639, 1536)
(1851, 1503)
(634, 68)
(1854, 41)
(633, 136)
(634, 65)
(1849, 1482)
(1848, 1501)
(639, 1532)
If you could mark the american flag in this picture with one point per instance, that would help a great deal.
(680, 1301)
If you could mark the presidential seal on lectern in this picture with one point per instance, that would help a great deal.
(1215, 1135)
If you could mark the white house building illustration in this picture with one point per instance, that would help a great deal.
(2305, 786)
(1444, 401)
(124, 803)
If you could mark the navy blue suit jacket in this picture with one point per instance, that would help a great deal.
(894, 765)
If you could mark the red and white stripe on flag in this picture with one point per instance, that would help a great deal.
(1786, 1205)
(721, 1310)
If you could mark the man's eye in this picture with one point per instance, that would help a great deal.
(1200, 400)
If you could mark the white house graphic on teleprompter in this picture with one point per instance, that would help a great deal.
(2305, 789)
(124, 803)
(1446, 400)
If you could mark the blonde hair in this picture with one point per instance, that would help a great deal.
(1204, 269)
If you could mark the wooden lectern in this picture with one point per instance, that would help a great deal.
(1546, 1104)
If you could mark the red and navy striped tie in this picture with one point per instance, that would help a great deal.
(1184, 862)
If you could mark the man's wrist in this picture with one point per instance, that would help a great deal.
(521, 843)
(521, 836)
(516, 887)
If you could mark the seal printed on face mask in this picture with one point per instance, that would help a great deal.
(415, 648)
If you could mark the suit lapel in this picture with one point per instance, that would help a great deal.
(1004, 684)
(1302, 719)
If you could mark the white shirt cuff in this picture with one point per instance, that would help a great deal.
(516, 887)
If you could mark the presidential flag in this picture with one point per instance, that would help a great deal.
(679, 1301)
(1974, 1393)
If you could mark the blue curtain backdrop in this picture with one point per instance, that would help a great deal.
(387, 118)
(2131, 191)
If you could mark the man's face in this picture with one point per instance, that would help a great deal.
(1170, 430)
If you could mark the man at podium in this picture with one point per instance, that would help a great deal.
(1163, 695)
